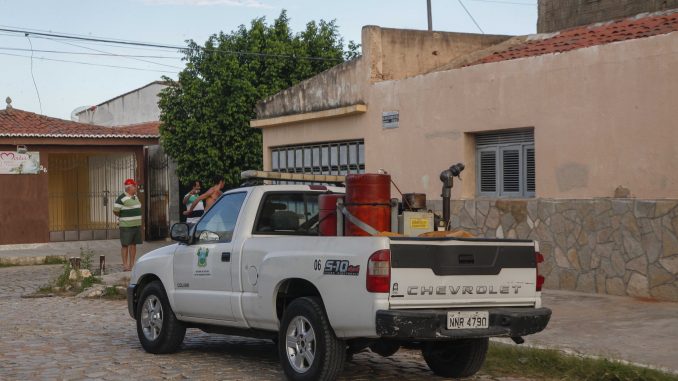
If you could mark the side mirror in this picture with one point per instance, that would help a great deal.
(180, 232)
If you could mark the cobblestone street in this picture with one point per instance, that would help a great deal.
(72, 338)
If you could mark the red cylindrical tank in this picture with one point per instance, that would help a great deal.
(368, 198)
(327, 215)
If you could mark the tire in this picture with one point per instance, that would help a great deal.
(305, 332)
(158, 329)
(456, 359)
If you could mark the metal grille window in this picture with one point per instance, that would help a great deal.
(337, 158)
(506, 164)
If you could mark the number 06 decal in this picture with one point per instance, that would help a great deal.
(317, 265)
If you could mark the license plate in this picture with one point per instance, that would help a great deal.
(468, 319)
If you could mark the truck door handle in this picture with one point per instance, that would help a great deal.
(466, 259)
(225, 257)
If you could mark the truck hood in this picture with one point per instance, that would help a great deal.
(150, 260)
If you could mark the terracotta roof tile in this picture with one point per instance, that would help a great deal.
(19, 123)
(586, 36)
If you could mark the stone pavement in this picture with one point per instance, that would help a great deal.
(71, 338)
(26, 253)
(635, 330)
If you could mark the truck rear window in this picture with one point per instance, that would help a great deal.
(288, 213)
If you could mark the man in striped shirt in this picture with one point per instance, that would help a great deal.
(128, 209)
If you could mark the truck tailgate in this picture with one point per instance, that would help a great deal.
(451, 272)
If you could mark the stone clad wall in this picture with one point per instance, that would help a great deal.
(613, 246)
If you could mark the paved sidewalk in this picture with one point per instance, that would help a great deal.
(23, 254)
(616, 327)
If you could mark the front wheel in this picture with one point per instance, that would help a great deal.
(158, 329)
(308, 347)
(456, 359)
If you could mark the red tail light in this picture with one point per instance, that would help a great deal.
(540, 278)
(379, 271)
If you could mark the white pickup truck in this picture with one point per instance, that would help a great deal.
(255, 266)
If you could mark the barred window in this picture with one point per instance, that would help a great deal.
(335, 158)
(505, 164)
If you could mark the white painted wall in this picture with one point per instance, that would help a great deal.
(138, 106)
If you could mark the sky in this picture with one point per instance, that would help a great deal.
(65, 86)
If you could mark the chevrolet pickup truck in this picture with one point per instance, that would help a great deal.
(255, 266)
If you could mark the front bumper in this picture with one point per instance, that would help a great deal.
(432, 324)
(130, 300)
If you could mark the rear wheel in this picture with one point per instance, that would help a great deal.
(158, 329)
(308, 348)
(456, 359)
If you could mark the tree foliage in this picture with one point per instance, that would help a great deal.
(205, 114)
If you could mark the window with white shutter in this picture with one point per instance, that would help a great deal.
(505, 164)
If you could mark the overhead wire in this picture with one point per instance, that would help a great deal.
(91, 64)
(506, 2)
(101, 51)
(94, 43)
(33, 76)
(165, 46)
(471, 16)
(88, 54)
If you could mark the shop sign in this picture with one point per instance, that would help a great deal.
(14, 163)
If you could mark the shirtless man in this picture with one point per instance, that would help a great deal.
(210, 197)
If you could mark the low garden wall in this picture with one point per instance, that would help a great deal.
(611, 246)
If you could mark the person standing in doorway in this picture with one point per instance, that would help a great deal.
(210, 197)
(128, 209)
(188, 201)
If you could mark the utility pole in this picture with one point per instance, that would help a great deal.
(430, 18)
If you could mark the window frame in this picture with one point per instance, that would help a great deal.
(329, 158)
(499, 148)
(265, 195)
(194, 235)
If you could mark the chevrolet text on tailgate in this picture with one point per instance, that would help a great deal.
(329, 271)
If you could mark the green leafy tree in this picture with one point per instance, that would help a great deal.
(205, 114)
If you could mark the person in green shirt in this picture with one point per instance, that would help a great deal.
(188, 201)
(128, 209)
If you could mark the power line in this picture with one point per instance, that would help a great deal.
(164, 46)
(101, 51)
(506, 2)
(35, 30)
(471, 16)
(90, 63)
(121, 42)
(32, 76)
(89, 54)
(91, 43)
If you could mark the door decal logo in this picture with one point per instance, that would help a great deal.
(201, 267)
(203, 252)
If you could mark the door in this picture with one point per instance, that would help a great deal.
(157, 192)
(202, 270)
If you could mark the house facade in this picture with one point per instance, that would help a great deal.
(59, 179)
(568, 139)
(140, 106)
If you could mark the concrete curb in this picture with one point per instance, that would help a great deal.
(31, 260)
